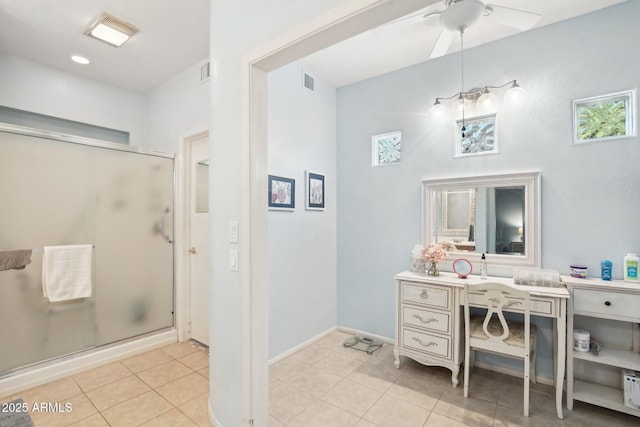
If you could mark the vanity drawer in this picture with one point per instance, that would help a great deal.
(433, 296)
(540, 306)
(426, 343)
(610, 304)
(433, 320)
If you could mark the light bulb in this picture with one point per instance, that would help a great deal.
(487, 102)
(515, 96)
(438, 109)
(465, 105)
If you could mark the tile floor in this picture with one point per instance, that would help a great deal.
(165, 387)
(328, 385)
(325, 385)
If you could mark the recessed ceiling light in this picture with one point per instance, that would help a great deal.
(80, 59)
(111, 30)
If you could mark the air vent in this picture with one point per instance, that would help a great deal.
(308, 82)
(112, 30)
(205, 72)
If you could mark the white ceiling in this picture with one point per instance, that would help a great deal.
(174, 35)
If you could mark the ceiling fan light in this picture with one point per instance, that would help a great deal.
(461, 14)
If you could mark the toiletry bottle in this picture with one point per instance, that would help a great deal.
(605, 269)
(483, 267)
(630, 265)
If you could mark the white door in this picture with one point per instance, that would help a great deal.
(199, 239)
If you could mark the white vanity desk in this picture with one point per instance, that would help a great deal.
(429, 321)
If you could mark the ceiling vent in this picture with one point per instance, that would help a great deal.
(109, 29)
(308, 82)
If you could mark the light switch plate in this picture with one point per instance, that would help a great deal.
(233, 260)
(233, 231)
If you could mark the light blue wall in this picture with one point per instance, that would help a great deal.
(302, 243)
(590, 192)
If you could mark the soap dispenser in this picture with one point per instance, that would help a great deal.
(483, 267)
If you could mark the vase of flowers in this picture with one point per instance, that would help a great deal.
(434, 253)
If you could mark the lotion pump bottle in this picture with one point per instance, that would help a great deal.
(483, 267)
(631, 264)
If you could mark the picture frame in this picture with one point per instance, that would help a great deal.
(604, 117)
(282, 193)
(480, 136)
(386, 148)
(314, 191)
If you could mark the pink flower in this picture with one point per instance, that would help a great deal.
(436, 252)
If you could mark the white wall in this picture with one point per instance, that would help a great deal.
(26, 85)
(178, 108)
(590, 192)
(302, 244)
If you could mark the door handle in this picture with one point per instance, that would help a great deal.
(193, 250)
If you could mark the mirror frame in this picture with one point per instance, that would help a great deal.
(532, 215)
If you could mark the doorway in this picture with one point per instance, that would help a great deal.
(197, 170)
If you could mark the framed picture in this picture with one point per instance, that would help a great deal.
(314, 191)
(604, 117)
(479, 136)
(282, 193)
(386, 149)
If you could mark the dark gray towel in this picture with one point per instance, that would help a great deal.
(15, 260)
(16, 414)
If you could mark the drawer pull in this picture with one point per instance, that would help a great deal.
(607, 303)
(424, 294)
(429, 320)
(429, 344)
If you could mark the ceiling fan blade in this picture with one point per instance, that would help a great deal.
(442, 44)
(515, 18)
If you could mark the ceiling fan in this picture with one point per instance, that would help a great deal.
(461, 14)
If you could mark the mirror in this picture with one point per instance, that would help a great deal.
(497, 214)
(202, 187)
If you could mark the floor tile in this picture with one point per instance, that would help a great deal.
(184, 389)
(197, 410)
(196, 360)
(439, 420)
(180, 349)
(314, 381)
(117, 392)
(51, 392)
(323, 414)
(338, 364)
(138, 410)
(67, 412)
(95, 420)
(287, 368)
(101, 376)
(393, 412)
(352, 397)
(471, 411)
(163, 374)
(287, 401)
(173, 418)
(148, 360)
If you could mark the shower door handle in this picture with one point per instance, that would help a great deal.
(193, 250)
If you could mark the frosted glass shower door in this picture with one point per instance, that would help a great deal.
(61, 193)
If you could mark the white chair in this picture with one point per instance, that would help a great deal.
(492, 333)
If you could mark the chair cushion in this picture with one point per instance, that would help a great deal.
(516, 330)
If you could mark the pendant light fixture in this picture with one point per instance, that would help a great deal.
(459, 16)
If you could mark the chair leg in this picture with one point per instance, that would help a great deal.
(526, 386)
(533, 360)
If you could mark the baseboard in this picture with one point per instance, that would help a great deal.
(301, 346)
(57, 369)
(351, 331)
(513, 372)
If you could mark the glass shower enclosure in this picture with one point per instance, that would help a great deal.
(60, 190)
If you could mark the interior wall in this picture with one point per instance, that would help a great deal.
(590, 196)
(302, 243)
(29, 86)
(178, 108)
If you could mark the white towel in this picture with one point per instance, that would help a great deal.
(66, 272)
